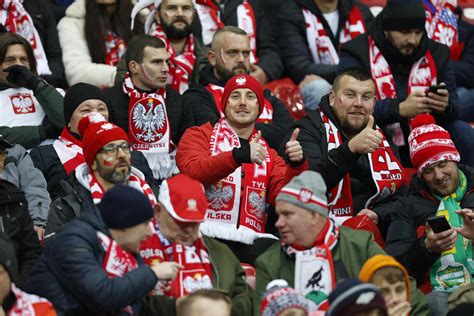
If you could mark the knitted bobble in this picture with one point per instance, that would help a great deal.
(422, 119)
(87, 120)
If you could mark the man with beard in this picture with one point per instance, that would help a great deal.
(404, 63)
(149, 110)
(343, 144)
(106, 150)
(171, 21)
(229, 56)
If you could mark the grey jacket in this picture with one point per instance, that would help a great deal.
(20, 171)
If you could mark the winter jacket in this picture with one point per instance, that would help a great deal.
(69, 273)
(29, 136)
(204, 109)
(353, 248)
(46, 159)
(45, 23)
(355, 53)
(16, 223)
(464, 68)
(194, 159)
(412, 212)
(76, 57)
(293, 43)
(333, 166)
(19, 170)
(227, 275)
(267, 52)
(179, 114)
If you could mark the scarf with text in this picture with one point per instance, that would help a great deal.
(69, 150)
(180, 66)
(265, 117)
(386, 173)
(117, 262)
(454, 268)
(239, 199)
(16, 20)
(197, 272)
(114, 48)
(149, 129)
(319, 42)
(137, 181)
(422, 76)
(209, 15)
(315, 277)
(29, 304)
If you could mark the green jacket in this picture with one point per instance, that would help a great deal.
(354, 247)
(227, 275)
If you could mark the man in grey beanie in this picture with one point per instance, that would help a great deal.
(313, 253)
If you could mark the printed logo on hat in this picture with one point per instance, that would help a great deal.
(241, 81)
(106, 126)
(305, 195)
(365, 298)
(192, 205)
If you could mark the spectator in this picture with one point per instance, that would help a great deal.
(106, 151)
(59, 159)
(170, 21)
(92, 266)
(230, 56)
(14, 301)
(404, 63)
(206, 263)
(280, 299)
(147, 109)
(248, 15)
(441, 187)
(239, 170)
(305, 230)
(205, 303)
(17, 168)
(310, 35)
(31, 111)
(461, 302)
(392, 279)
(343, 144)
(93, 36)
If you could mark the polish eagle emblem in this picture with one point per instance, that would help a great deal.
(257, 203)
(240, 81)
(148, 120)
(22, 103)
(218, 196)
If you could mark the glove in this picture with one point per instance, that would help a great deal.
(21, 76)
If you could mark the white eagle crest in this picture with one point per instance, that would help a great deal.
(240, 81)
(148, 121)
(219, 197)
(22, 104)
(257, 203)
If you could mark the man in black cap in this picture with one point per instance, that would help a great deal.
(92, 265)
(404, 64)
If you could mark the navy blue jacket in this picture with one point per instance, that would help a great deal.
(464, 68)
(69, 273)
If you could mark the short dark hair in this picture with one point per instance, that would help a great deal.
(228, 29)
(212, 294)
(8, 39)
(136, 47)
(354, 72)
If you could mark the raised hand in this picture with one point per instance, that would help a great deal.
(166, 270)
(440, 242)
(293, 147)
(367, 141)
(371, 214)
(257, 150)
(467, 230)
(21, 76)
(416, 103)
(438, 102)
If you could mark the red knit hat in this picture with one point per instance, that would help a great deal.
(96, 133)
(430, 143)
(242, 82)
(183, 198)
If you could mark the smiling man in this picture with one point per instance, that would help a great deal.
(342, 143)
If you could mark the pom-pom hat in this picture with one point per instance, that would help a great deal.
(241, 82)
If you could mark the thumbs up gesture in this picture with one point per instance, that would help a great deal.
(293, 147)
(257, 150)
(367, 141)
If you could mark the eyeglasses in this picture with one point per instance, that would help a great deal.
(112, 149)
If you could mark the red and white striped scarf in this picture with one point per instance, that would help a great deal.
(320, 45)
(69, 150)
(16, 20)
(114, 48)
(29, 304)
(182, 65)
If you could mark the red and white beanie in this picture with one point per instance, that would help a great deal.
(243, 82)
(184, 198)
(430, 143)
(96, 133)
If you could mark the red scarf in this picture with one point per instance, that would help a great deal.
(265, 117)
(237, 205)
(16, 20)
(319, 42)
(197, 272)
(69, 150)
(114, 48)
(29, 304)
(386, 173)
(181, 66)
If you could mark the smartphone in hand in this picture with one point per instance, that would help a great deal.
(438, 224)
(434, 89)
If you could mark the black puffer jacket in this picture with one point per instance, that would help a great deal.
(412, 212)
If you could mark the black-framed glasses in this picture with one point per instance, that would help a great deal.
(112, 149)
